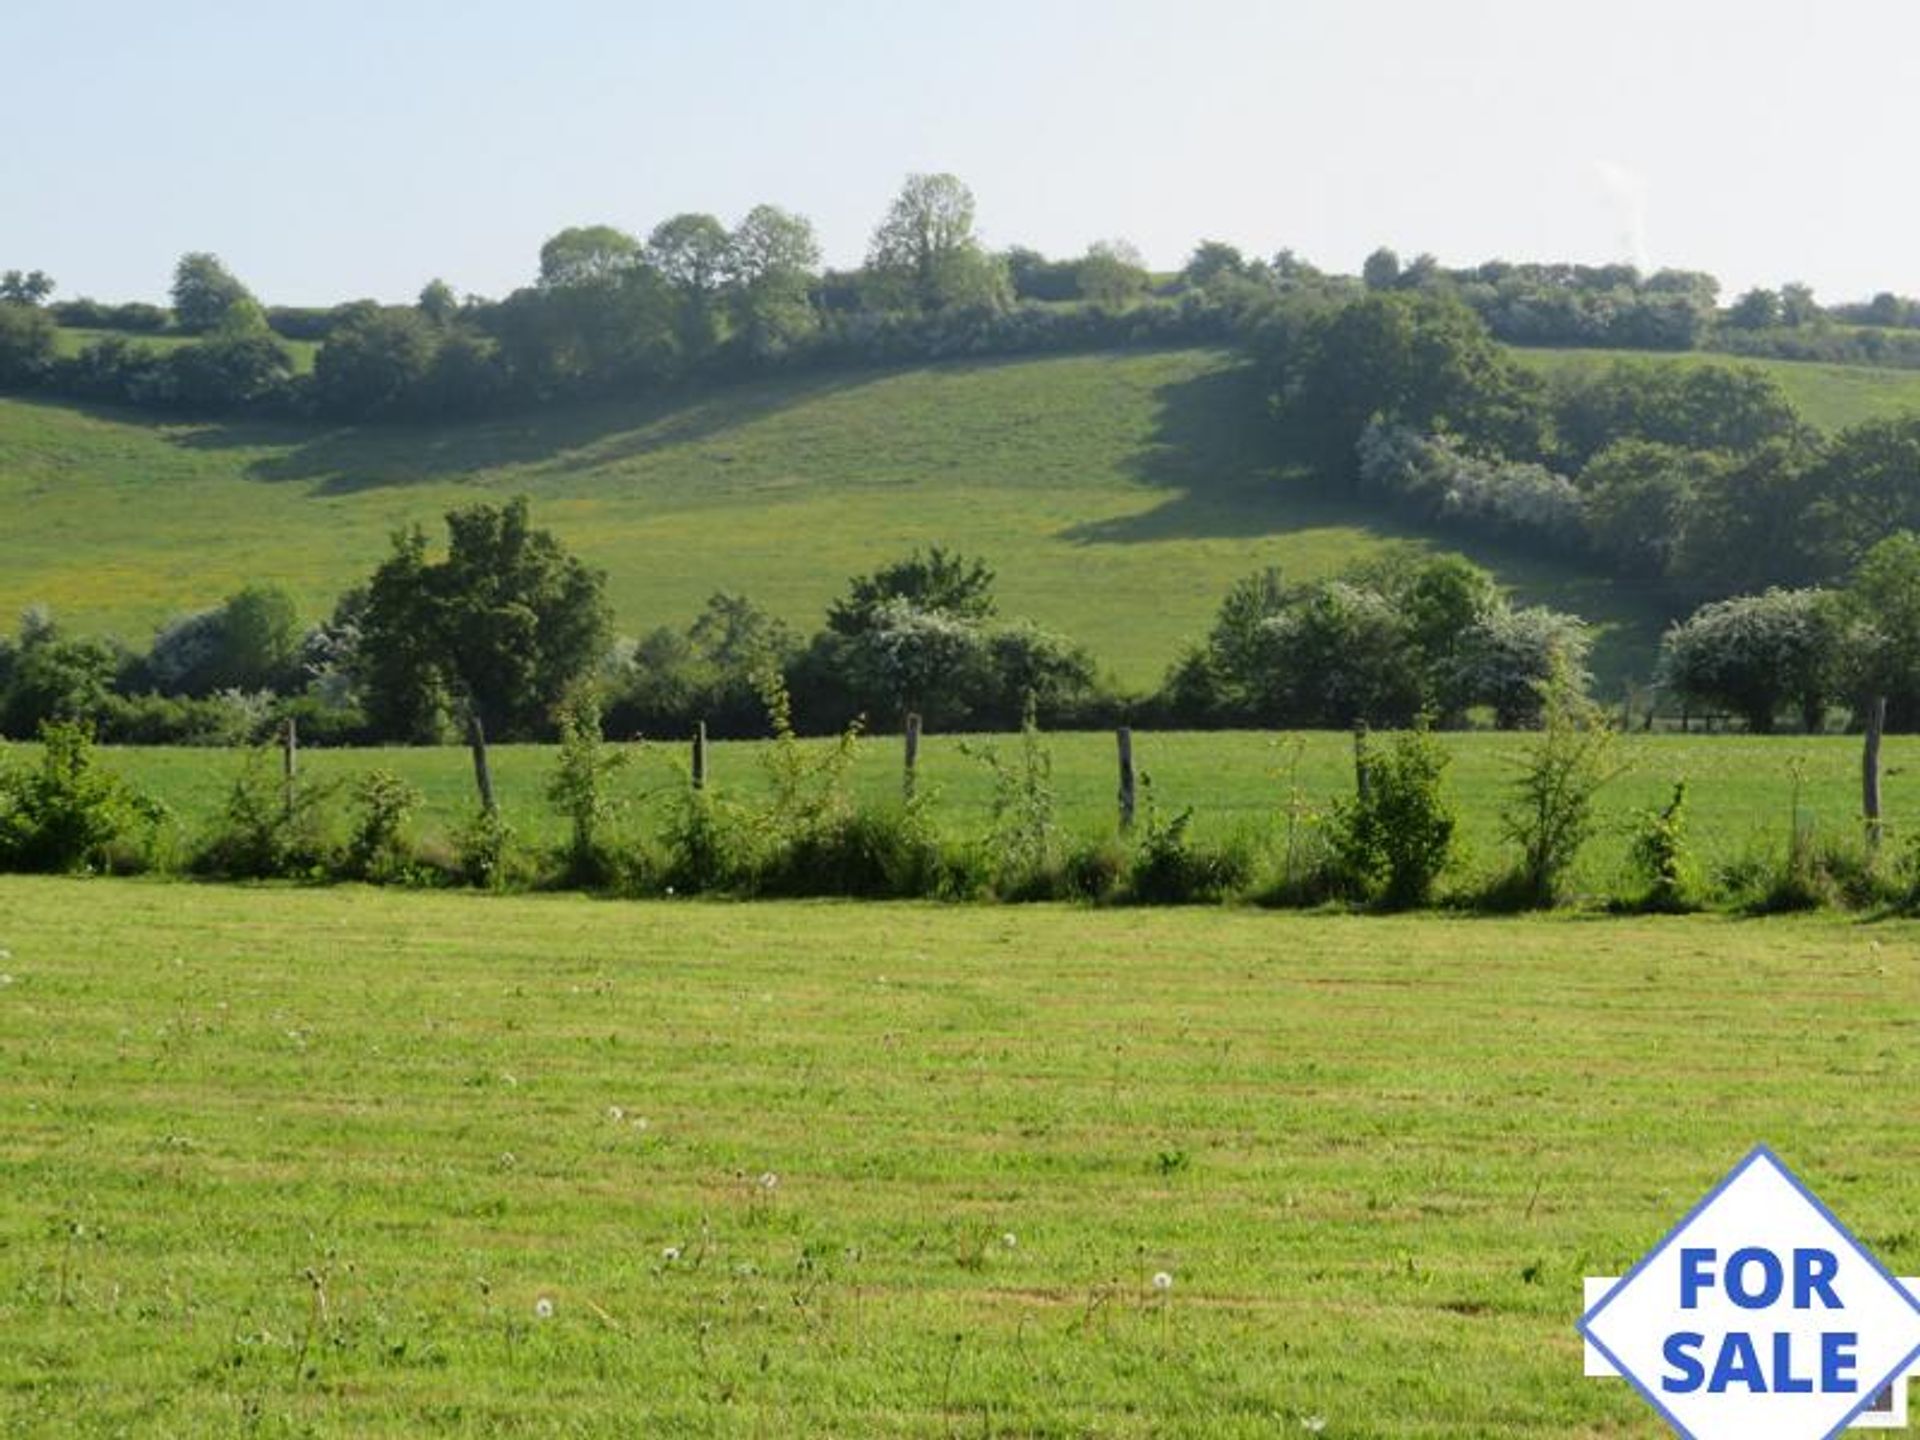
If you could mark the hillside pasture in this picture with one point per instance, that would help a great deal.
(1118, 496)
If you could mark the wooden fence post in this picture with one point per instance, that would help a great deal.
(912, 751)
(700, 755)
(1124, 738)
(482, 771)
(1870, 769)
(289, 764)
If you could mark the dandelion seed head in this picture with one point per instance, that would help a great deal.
(769, 1181)
(616, 1114)
(670, 1254)
(1162, 1281)
(1010, 1240)
(543, 1308)
(1313, 1424)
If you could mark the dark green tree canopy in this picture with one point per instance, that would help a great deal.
(503, 626)
(204, 291)
(937, 581)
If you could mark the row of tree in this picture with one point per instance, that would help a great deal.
(492, 634)
(615, 312)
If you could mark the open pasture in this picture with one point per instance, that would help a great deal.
(349, 1162)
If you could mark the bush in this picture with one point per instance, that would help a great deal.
(1659, 857)
(709, 847)
(269, 830)
(869, 852)
(1396, 836)
(66, 814)
(1551, 813)
(1169, 867)
(1023, 846)
(484, 854)
(578, 790)
(377, 849)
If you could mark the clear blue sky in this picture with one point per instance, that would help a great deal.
(345, 148)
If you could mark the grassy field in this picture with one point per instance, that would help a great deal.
(71, 340)
(1741, 788)
(1830, 396)
(287, 1162)
(1117, 495)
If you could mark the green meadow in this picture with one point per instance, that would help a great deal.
(1118, 496)
(1742, 790)
(1830, 396)
(363, 1163)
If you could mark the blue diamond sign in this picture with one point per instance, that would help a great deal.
(1759, 1316)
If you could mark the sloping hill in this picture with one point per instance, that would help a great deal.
(1117, 495)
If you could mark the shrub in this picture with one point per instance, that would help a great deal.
(709, 846)
(1660, 858)
(67, 813)
(484, 851)
(1551, 813)
(579, 791)
(377, 848)
(1169, 867)
(867, 852)
(269, 829)
(1024, 838)
(1396, 836)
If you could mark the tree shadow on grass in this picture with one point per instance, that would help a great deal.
(1224, 464)
(349, 459)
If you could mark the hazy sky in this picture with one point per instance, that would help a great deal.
(342, 148)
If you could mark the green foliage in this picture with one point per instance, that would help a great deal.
(485, 853)
(508, 622)
(1395, 837)
(1660, 857)
(1878, 617)
(1169, 866)
(1024, 840)
(204, 291)
(66, 813)
(710, 846)
(937, 581)
(377, 849)
(1550, 815)
(270, 829)
(1420, 362)
(924, 252)
(579, 789)
(1756, 653)
(1389, 640)
(27, 346)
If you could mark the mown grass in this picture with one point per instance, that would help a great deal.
(1118, 496)
(307, 1162)
(1741, 789)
